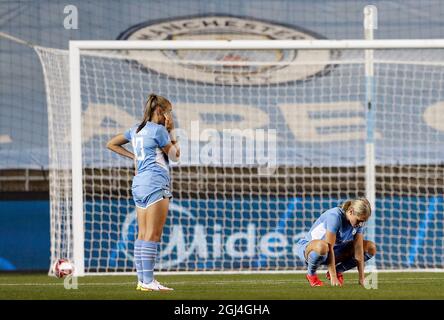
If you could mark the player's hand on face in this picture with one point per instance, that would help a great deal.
(169, 124)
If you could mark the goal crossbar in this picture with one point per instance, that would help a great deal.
(257, 44)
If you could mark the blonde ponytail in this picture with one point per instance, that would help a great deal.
(149, 107)
(153, 101)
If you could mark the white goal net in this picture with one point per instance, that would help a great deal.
(270, 139)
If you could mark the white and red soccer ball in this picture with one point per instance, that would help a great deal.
(63, 268)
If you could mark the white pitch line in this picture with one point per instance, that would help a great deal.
(228, 282)
(61, 284)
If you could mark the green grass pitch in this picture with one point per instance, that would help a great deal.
(413, 285)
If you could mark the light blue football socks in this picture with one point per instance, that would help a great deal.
(314, 260)
(148, 255)
(137, 260)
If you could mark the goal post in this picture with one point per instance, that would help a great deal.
(77, 172)
(370, 24)
(230, 216)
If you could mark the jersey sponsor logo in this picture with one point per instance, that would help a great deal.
(229, 67)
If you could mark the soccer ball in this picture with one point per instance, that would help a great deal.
(63, 268)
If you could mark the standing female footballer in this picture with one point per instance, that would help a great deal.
(153, 142)
(336, 240)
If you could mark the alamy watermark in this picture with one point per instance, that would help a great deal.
(71, 282)
(71, 20)
(371, 279)
(229, 147)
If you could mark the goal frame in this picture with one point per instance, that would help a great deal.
(75, 48)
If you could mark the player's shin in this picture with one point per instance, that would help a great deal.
(148, 258)
(314, 260)
(137, 260)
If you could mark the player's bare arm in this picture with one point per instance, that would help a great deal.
(358, 244)
(330, 238)
(116, 143)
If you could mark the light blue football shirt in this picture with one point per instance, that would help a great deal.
(147, 146)
(333, 220)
